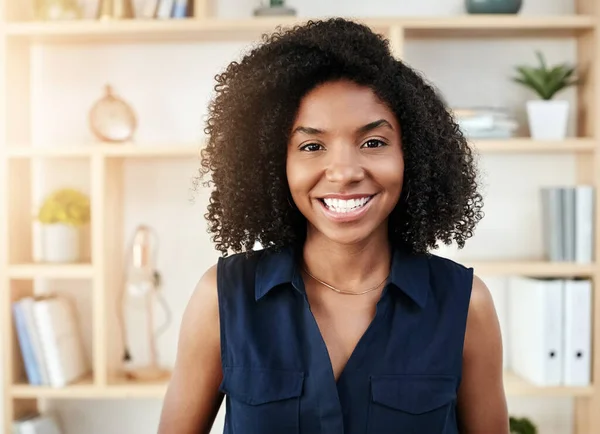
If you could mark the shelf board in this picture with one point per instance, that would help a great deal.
(116, 151)
(122, 389)
(532, 268)
(54, 271)
(130, 150)
(139, 30)
(516, 386)
(498, 26)
(151, 151)
(16, 152)
(526, 145)
(80, 389)
(85, 389)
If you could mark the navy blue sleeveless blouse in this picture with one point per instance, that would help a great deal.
(402, 377)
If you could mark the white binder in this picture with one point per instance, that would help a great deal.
(578, 332)
(535, 317)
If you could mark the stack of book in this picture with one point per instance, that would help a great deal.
(49, 340)
(549, 330)
(568, 223)
(164, 9)
(485, 123)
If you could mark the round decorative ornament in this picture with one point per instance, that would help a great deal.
(112, 119)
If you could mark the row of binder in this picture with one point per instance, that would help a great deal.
(568, 223)
(550, 329)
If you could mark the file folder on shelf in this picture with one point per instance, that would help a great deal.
(578, 332)
(535, 317)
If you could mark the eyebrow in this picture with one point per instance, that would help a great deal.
(364, 129)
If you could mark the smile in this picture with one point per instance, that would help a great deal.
(344, 206)
(346, 210)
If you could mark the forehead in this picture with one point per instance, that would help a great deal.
(341, 103)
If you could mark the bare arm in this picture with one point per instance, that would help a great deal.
(193, 399)
(481, 399)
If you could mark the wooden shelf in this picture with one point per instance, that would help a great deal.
(516, 386)
(86, 31)
(151, 151)
(525, 145)
(498, 26)
(116, 151)
(86, 389)
(532, 268)
(55, 271)
(80, 389)
(129, 150)
(116, 389)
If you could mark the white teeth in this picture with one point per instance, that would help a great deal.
(343, 206)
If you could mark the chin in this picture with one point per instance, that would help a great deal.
(346, 236)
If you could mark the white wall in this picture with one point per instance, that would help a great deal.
(169, 87)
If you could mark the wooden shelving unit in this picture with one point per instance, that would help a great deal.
(87, 31)
(17, 271)
(174, 150)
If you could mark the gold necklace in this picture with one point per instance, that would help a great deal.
(341, 291)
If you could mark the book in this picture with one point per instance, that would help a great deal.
(60, 339)
(49, 340)
(568, 223)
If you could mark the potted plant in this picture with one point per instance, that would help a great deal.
(521, 426)
(547, 116)
(62, 215)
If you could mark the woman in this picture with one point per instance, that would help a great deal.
(346, 166)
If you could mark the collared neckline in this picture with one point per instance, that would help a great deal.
(409, 273)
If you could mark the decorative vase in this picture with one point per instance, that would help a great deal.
(60, 243)
(548, 119)
(493, 6)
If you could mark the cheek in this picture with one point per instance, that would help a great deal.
(391, 174)
(299, 179)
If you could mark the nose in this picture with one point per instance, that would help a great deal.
(345, 167)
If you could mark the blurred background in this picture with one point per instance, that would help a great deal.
(102, 232)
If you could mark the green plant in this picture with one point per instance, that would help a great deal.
(67, 206)
(546, 81)
(521, 426)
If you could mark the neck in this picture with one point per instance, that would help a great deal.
(348, 266)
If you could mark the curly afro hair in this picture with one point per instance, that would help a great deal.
(252, 113)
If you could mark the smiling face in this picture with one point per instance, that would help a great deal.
(344, 162)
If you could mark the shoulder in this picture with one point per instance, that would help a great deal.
(482, 319)
(241, 261)
(447, 274)
(239, 268)
(226, 267)
(441, 264)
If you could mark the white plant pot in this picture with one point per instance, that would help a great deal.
(60, 243)
(548, 119)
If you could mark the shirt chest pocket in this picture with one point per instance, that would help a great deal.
(263, 401)
(412, 404)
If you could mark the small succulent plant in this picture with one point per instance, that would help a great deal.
(546, 81)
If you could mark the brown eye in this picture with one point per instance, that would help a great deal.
(373, 143)
(311, 147)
